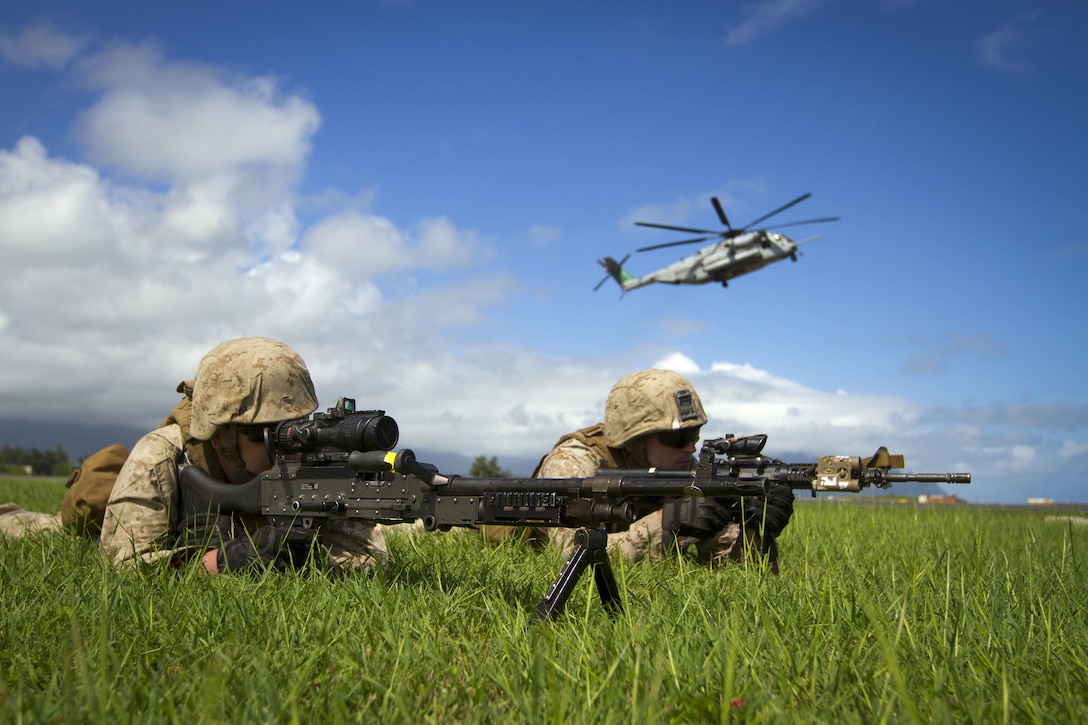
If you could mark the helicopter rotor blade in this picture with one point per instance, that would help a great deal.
(798, 200)
(721, 212)
(676, 229)
(806, 221)
(676, 244)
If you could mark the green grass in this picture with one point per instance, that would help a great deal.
(881, 614)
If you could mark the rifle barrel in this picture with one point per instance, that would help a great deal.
(928, 477)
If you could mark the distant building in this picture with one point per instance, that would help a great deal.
(1032, 501)
(927, 499)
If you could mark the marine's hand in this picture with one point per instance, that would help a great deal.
(279, 545)
(771, 514)
(696, 516)
(206, 530)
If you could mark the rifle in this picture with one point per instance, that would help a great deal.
(345, 467)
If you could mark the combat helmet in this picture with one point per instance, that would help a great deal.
(248, 381)
(650, 401)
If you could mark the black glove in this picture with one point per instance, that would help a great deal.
(696, 516)
(771, 514)
(207, 530)
(279, 545)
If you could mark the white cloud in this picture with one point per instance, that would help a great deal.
(177, 121)
(51, 211)
(679, 362)
(1073, 449)
(764, 17)
(115, 287)
(40, 45)
(542, 236)
(1003, 48)
(371, 246)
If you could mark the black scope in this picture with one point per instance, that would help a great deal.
(341, 429)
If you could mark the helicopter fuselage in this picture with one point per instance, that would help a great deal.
(738, 251)
(723, 260)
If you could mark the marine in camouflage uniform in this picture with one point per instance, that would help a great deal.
(241, 387)
(16, 521)
(652, 420)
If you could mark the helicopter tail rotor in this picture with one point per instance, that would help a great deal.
(615, 271)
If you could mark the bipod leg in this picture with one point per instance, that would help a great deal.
(590, 549)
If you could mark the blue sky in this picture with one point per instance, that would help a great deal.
(414, 194)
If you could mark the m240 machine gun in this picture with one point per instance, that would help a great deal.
(341, 464)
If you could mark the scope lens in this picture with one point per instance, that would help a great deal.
(367, 431)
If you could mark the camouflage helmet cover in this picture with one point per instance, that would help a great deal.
(650, 401)
(248, 381)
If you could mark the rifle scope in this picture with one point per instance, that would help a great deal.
(341, 429)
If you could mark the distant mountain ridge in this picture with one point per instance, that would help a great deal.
(79, 440)
(82, 439)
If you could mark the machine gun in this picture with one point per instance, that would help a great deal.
(346, 468)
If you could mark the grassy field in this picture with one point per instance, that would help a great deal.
(881, 614)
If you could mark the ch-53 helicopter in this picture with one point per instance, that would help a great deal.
(738, 252)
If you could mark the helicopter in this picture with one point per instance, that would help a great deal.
(738, 251)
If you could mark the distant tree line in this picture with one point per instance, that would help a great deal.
(41, 463)
(484, 467)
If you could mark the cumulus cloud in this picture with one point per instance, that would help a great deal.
(181, 230)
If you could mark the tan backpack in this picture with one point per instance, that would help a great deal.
(89, 487)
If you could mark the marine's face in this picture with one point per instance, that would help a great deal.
(668, 457)
(254, 455)
(240, 456)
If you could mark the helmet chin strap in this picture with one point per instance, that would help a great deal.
(635, 453)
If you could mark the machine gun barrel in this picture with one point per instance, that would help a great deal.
(626, 483)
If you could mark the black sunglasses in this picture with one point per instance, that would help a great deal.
(678, 438)
(254, 433)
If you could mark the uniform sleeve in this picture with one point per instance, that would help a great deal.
(573, 459)
(140, 515)
(570, 459)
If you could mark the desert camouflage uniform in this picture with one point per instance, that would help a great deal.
(573, 458)
(141, 520)
(16, 522)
